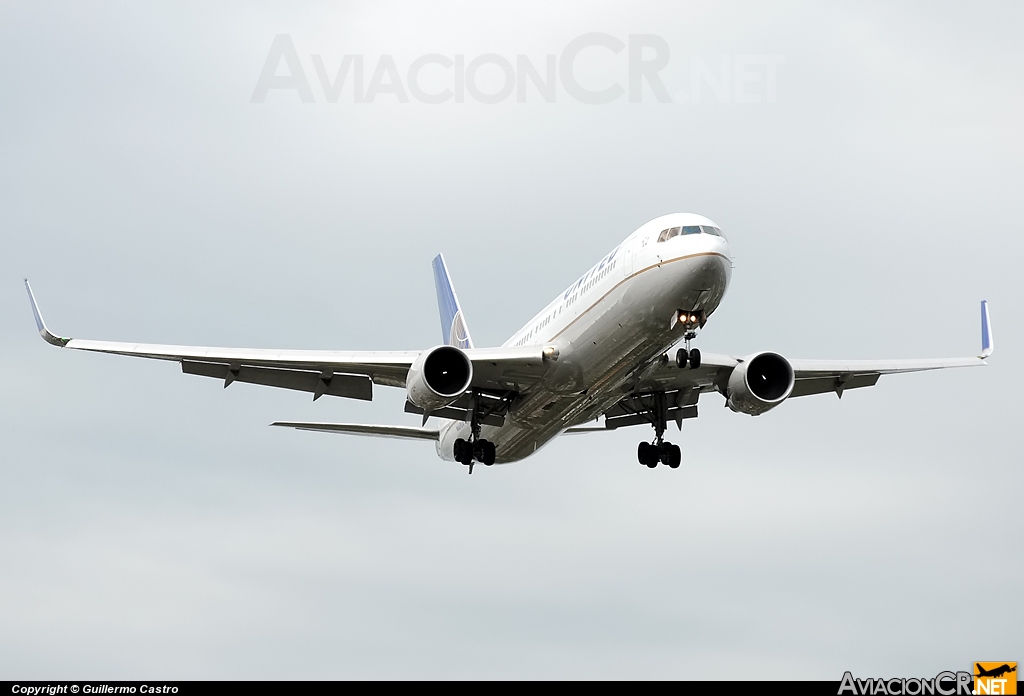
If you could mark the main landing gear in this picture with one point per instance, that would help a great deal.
(650, 453)
(475, 449)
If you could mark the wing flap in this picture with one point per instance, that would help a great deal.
(833, 383)
(318, 383)
(673, 414)
(457, 414)
(640, 409)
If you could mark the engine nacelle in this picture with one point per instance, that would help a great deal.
(438, 377)
(760, 383)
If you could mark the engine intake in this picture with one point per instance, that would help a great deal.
(438, 377)
(760, 383)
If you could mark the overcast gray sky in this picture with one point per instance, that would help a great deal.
(152, 525)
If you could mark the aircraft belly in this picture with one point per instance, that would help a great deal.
(629, 329)
(602, 351)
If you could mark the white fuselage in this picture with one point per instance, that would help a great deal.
(608, 328)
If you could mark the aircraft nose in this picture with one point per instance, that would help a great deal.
(710, 272)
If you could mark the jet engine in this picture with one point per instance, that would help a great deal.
(760, 383)
(438, 377)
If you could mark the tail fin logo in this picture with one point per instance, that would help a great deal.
(460, 334)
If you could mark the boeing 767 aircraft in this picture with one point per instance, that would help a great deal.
(599, 349)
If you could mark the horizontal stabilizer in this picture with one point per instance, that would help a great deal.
(399, 432)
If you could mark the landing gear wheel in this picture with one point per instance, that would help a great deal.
(484, 452)
(463, 452)
(665, 452)
(694, 358)
(675, 456)
(681, 358)
(489, 452)
(645, 454)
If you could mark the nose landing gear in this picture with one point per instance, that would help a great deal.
(685, 355)
(692, 322)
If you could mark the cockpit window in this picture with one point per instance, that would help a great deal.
(668, 234)
(689, 229)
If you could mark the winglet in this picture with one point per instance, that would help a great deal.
(987, 345)
(40, 324)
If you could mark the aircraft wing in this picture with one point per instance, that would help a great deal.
(823, 376)
(336, 373)
(681, 387)
(812, 376)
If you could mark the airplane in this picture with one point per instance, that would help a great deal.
(995, 672)
(599, 350)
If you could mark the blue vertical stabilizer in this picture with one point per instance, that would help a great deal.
(454, 331)
(987, 346)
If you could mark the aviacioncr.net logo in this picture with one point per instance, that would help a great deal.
(995, 678)
(942, 684)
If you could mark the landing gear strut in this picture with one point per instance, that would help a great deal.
(475, 449)
(650, 453)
